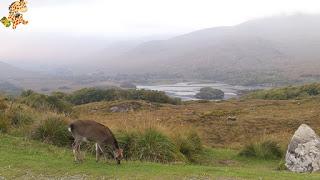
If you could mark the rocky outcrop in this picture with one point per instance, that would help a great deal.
(126, 107)
(303, 154)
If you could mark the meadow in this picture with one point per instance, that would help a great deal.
(235, 139)
(27, 159)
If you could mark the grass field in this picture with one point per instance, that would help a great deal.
(255, 119)
(25, 159)
(252, 121)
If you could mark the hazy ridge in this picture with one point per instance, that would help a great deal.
(272, 51)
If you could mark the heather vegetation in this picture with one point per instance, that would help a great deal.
(196, 133)
(46, 117)
(88, 95)
(285, 93)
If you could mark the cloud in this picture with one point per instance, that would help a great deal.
(144, 17)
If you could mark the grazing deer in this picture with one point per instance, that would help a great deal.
(86, 130)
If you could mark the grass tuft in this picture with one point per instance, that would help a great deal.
(282, 166)
(53, 130)
(4, 123)
(149, 145)
(19, 117)
(267, 149)
(190, 145)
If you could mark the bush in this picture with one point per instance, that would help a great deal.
(150, 145)
(3, 105)
(282, 166)
(59, 105)
(129, 142)
(54, 102)
(54, 131)
(262, 150)
(4, 123)
(189, 145)
(155, 146)
(19, 117)
(152, 96)
(89, 95)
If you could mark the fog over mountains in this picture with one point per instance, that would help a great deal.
(274, 50)
(262, 50)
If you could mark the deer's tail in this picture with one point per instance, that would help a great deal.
(71, 127)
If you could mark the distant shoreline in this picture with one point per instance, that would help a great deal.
(187, 90)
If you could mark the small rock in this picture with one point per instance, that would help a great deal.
(126, 107)
(232, 118)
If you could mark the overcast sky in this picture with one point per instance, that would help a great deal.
(147, 17)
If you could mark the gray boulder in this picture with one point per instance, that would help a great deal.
(303, 154)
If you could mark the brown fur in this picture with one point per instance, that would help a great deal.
(87, 130)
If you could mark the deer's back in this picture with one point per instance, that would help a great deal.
(89, 130)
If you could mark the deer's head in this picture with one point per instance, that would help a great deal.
(118, 155)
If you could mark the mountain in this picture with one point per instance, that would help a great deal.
(8, 72)
(277, 50)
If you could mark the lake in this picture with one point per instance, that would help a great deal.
(187, 90)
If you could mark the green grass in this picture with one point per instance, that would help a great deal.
(25, 159)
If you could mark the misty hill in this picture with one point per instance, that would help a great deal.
(281, 49)
(8, 71)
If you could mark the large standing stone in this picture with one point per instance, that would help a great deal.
(303, 154)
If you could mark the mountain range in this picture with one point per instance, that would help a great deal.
(274, 51)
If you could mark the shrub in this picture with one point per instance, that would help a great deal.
(54, 131)
(4, 123)
(129, 142)
(282, 166)
(3, 105)
(150, 145)
(54, 102)
(59, 105)
(155, 146)
(189, 145)
(19, 117)
(27, 93)
(262, 150)
(89, 95)
(152, 96)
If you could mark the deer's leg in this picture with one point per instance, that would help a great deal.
(76, 149)
(79, 152)
(100, 146)
(97, 152)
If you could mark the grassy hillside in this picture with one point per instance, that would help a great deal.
(255, 119)
(30, 124)
(285, 93)
(231, 123)
(26, 159)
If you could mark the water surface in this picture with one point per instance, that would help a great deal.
(187, 90)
